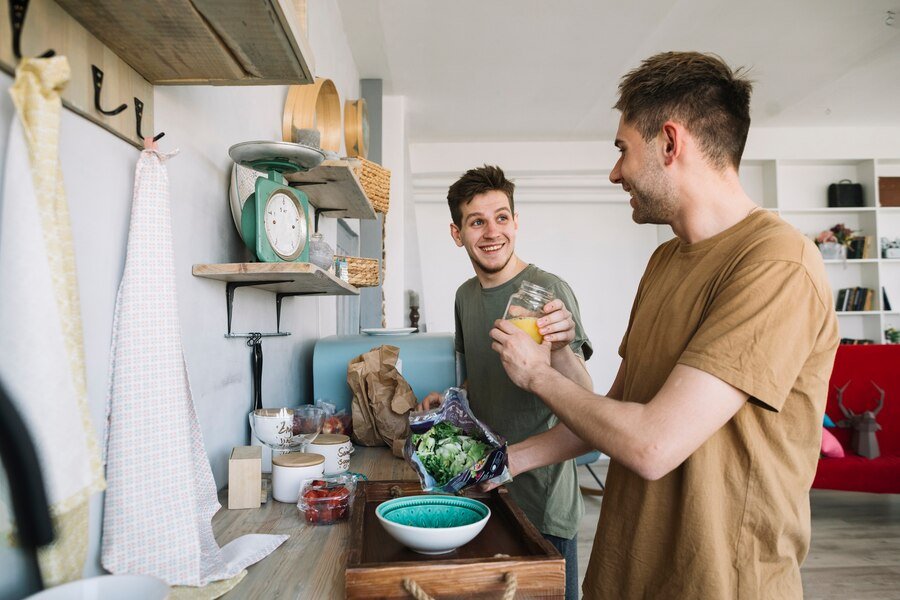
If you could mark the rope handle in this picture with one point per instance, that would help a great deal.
(416, 591)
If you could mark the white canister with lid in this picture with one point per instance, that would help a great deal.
(336, 449)
(290, 470)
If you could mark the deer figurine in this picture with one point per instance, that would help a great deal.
(864, 425)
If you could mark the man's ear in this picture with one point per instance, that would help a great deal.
(672, 140)
(454, 233)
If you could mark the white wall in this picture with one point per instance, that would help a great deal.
(98, 169)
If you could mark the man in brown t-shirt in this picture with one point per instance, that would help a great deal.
(713, 422)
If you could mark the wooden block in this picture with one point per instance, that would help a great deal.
(244, 477)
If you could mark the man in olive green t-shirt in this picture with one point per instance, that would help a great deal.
(713, 423)
(485, 223)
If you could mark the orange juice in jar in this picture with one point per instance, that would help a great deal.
(528, 325)
(525, 307)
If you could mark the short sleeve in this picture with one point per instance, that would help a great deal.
(581, 345)
(759, 330)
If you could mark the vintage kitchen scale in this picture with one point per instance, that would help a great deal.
(274, 220)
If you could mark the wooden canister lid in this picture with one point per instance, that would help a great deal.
(327, 439)
(298, 459)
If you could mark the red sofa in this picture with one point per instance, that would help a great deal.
(861, 365)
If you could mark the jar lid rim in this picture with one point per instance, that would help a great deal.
(324, 439)
(298, 459)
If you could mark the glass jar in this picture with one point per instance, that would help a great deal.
(526, 306)
(320, 253)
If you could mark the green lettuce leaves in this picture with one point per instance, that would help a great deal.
(446, 452)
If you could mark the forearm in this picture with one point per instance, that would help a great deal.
(553, 446)
(626, 431)
(571, 366)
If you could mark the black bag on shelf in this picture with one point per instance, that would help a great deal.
(845, 194)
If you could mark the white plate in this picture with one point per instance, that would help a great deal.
(243, 185)
(389, 331)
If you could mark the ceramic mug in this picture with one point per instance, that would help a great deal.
(273, 427)
(336, 449)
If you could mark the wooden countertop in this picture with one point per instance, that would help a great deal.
(310, 563)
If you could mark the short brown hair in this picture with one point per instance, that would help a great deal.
(700, 91)
(478, 181)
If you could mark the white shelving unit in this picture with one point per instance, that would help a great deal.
(798, 191)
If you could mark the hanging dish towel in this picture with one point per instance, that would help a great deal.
(42, 350)
(161, 498)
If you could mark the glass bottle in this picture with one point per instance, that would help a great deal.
(526, 306)
(320, 253)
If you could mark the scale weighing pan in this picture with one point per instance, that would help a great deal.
(274, 221)
(283, 157)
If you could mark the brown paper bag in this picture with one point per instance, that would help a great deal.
(381, 399)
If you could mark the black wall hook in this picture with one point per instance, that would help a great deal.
(98, 85)
(17, 11)
(138, 114)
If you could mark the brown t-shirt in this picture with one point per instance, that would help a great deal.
(751, 306)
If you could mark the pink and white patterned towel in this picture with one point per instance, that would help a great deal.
(161, 495)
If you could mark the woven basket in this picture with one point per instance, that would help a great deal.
(376, 181)
(362, 272)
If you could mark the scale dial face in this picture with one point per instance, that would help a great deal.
(285, 225)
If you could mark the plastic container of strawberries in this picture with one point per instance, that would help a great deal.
(327, 500)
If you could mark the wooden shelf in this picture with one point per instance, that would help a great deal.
(202, 41)
(852, 261)
(334, 190)
(283, 278)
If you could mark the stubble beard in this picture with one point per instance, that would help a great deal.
(486, 269)
(654, 197)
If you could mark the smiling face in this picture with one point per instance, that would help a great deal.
(488, 232)
(641, 174)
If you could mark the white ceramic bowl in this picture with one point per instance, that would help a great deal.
(433, 524)
(133, 587)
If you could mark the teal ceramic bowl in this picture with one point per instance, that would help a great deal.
(433, 524)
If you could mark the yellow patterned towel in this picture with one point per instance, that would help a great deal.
(42, 354)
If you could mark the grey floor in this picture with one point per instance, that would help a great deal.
(855, 549)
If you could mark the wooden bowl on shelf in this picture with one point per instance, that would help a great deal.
(356, 128)
(313, 106)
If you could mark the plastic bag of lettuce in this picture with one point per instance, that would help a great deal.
(450, 449)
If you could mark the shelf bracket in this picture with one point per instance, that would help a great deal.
(229, 301)
(319, 211)
(279, 297)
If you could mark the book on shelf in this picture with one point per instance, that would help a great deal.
(841, 299)
(860, 247)
(855, 299)
(885, 303)
(856, 342)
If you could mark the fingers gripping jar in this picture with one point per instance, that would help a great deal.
(525, 307)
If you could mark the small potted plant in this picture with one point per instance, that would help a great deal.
(892, 335)
(833, 242)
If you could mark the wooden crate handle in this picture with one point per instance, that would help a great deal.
(419, 594)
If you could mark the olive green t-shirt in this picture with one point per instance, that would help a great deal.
(549, 496)
(751, 306)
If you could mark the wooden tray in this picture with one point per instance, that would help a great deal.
(377, 564)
